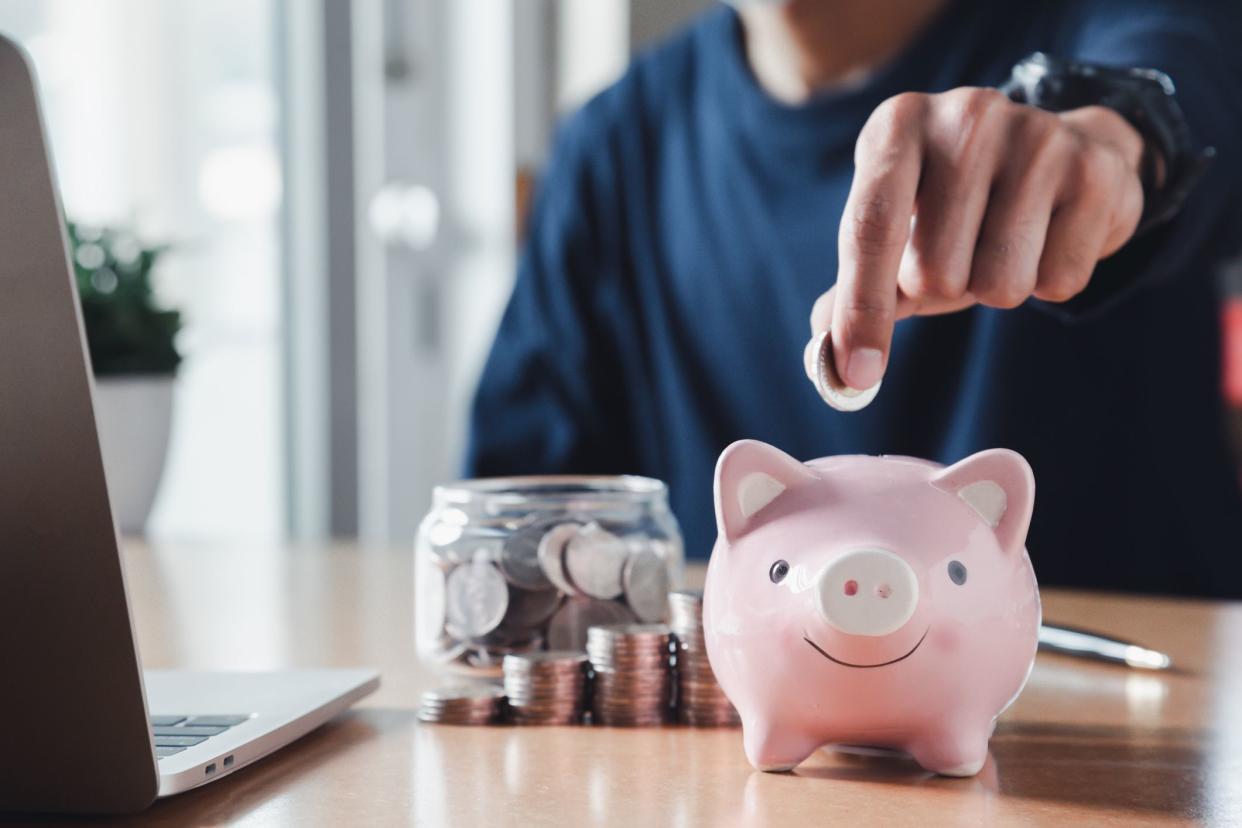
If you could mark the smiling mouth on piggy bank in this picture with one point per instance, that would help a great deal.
(826, 655)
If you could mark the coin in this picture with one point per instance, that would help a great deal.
(431, 605)
(549, 660)
(519, 558)
(473, 548)
(477, 598)
(701, 702)
(439, 534)
(547, 687)
(568, 628)
(594, 558)
(821, 368)
(444, 648)
(688, 602)
(633, 680)
(463, 693)
(529, 609)
(632, 635)
(551, 554)
(462, 704)
(645, 582)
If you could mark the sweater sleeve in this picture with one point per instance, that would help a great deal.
(542, 404)
(1195, 43)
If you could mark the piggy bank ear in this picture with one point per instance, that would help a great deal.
(749, 476)
(999, 486)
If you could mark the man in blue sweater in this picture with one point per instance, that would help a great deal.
(1031, 275)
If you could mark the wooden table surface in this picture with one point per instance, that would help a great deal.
(1085, 742)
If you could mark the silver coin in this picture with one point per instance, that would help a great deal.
(568, 660)
(645, 581)
(430, 603)
(551, 554)
(594, 558)
(821, 368)
(477, 597)
(519, 559)
(488, 660)
(568, 628)
(473, 547)
(445, 648)
(464, 692)
(440, 533)
(500, 641)
(624, 633)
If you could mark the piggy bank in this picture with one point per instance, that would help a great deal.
(879, 601)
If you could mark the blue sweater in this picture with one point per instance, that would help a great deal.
(687, 222)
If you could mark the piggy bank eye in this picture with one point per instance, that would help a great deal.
(957, 572)
(778, 571)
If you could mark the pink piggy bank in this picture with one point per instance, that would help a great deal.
(881, 601)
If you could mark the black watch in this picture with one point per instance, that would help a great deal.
(1144, 97)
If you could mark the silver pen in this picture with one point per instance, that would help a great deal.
(1086, 644)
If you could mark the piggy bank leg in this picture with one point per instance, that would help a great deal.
(959, 751)
(776, 750)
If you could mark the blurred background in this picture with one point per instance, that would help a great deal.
(340, 188)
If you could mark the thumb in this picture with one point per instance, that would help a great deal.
(821, 312)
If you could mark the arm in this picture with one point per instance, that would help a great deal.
(542, 402)
(966, 198)
(1195, 43)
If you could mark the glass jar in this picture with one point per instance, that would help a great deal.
(509, 565)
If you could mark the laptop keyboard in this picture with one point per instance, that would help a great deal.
(174, 734)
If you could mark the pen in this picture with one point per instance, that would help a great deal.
(1086, 644)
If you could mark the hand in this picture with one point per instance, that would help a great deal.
(966, 198)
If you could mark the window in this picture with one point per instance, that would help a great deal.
(164, 118)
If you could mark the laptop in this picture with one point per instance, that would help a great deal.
(85, 730)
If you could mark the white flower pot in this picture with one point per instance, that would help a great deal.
(134, 415)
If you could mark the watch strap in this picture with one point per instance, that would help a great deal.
(1145, 98)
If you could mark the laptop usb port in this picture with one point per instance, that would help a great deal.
(210, 769)
(228, 761)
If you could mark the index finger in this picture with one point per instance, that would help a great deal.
(874, 230)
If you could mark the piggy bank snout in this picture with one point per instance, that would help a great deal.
(867, 592)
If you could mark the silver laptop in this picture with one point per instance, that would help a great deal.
(83, 729)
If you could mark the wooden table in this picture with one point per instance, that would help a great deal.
(1085, 742)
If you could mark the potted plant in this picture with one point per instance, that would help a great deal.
(133, 351)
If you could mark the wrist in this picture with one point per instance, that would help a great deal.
(1171, 162)
(1108, 127)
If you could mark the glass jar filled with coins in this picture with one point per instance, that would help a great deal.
(518, 565)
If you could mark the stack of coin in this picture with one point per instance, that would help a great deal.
(633, 681)
(475, 704)
(700, 701)
(546, 687)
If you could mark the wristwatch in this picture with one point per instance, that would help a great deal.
(1145, 98)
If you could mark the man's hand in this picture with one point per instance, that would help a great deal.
(967, 198)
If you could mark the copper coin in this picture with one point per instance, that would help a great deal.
(530, 608)
(568, 628)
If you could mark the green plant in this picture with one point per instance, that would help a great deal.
(126, 331)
